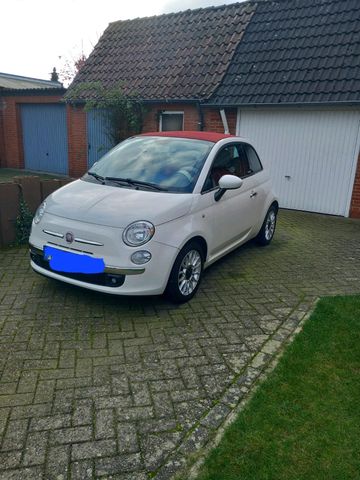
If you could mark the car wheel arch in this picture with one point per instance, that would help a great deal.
(191, 255)
(260, 238)
(201, 241)
(275, 204)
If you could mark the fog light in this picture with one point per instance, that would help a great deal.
(140, 257)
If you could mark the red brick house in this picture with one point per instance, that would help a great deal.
(174, 62)
(23, 100)
(284, 73)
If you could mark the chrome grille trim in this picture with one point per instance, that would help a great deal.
(124, 271)
(76, 239)
(88, 242)
(53, 234)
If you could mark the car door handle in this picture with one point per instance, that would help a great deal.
(253, 194)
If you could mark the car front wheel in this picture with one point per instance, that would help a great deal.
(267, 230)
(186, 274)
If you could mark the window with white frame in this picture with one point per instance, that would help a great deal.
(170, 121)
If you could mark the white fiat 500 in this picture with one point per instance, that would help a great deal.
(153, 213)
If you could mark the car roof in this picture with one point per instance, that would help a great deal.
(195, 135)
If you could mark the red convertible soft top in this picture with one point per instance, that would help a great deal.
(196, 135)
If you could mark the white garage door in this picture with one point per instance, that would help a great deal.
(312, 155)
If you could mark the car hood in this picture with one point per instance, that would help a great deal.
(116, 206)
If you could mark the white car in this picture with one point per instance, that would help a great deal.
(153, 213)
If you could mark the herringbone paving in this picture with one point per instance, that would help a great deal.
(96, 386)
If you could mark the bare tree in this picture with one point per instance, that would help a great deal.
(71, 68)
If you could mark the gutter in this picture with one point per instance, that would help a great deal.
(201, 116)
(190, 101)
(290, 104)
(170, 100)
(224, 121)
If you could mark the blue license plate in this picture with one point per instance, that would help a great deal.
(69, 262)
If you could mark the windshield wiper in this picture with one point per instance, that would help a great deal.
(98, 177)
(130, 181)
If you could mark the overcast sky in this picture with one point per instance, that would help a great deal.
(37, 35)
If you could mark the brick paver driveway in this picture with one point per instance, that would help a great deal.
(98, 386)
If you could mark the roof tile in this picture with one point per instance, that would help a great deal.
(169, 56)
(296, 51)
(264, 51)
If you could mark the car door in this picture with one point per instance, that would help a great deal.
(231, 219)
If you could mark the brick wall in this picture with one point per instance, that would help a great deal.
(77, 140)
(2, 140)
(11, 151)
(77, 129)
(151, 119)
(212, 119)
(213, 122)
(355, 201)
(12, 155)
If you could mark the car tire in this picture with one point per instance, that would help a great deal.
(268, 227)
(186, 274)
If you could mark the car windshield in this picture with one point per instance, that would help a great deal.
(150, 162)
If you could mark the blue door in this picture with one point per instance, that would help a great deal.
(45, 142)
(99, 141)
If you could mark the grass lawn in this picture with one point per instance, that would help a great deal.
(304, 420)
(7, 174)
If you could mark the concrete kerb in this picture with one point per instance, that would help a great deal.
(254, 374)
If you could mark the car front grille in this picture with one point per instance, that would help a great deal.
(73, 238)
(103, 279)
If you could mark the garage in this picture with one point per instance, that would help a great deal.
(311, 153)
(295, 81)
(98, 135)
(45, 141)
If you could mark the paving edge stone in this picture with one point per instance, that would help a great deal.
(187, 466)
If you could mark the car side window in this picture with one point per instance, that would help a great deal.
(254, 161)
(231, 160)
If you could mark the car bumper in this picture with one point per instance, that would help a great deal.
(114, 280)
(120, 276)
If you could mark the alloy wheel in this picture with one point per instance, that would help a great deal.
(189, 272)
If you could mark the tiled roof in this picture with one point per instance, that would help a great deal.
(34, 92)
(178, 56)
(10, 81)
(296, 51)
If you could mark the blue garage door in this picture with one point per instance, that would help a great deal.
(99, 141)
(45, 137)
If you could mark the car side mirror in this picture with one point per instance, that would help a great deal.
(227, 182)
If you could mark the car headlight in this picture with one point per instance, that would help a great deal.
(39, 212)
(138, 233)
